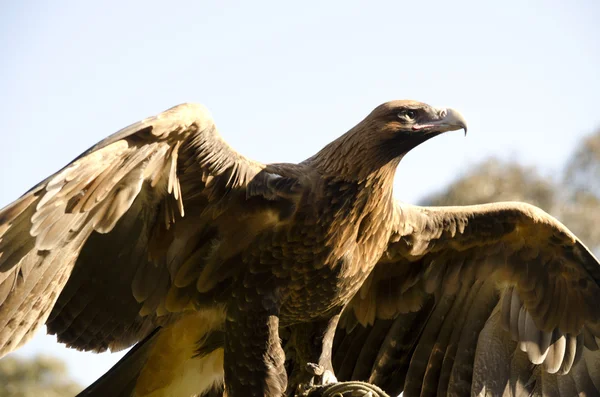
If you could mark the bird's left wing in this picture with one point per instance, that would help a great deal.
(104, 250)
(496, 299)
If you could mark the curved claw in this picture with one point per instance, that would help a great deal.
(321, 376)
(314, 369)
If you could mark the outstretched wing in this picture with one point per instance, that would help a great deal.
(476, 300)
(108, 247)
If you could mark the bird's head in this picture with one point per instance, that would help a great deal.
(399, 126)
(379, 141)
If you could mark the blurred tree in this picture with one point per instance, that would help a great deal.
(582, 172)
(573, 196)
(497, 180)
(40, 376)
(581, 206)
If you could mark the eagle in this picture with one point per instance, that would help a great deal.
(233, 277)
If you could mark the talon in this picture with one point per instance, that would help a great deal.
(315, 369)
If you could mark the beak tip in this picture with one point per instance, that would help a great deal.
(455, 118)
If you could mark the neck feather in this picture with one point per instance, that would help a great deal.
(359, 155)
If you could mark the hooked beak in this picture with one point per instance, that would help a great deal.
(448, 120)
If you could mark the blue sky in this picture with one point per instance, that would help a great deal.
(282, 79)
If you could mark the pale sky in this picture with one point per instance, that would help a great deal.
(284, 78)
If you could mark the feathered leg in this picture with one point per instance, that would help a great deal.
(254, 358)
(313, 343)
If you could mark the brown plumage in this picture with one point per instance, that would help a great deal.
(163, 235)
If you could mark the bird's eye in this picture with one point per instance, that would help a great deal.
(407, 114)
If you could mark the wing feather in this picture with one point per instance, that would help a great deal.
(86, 249)
(515, 303)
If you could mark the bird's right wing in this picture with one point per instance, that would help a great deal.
(131, 231)
(496, 299)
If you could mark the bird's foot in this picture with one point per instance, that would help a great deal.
(314, 375)
(320, 375)
(344, 389)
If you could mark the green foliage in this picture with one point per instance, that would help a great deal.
(40, 376)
